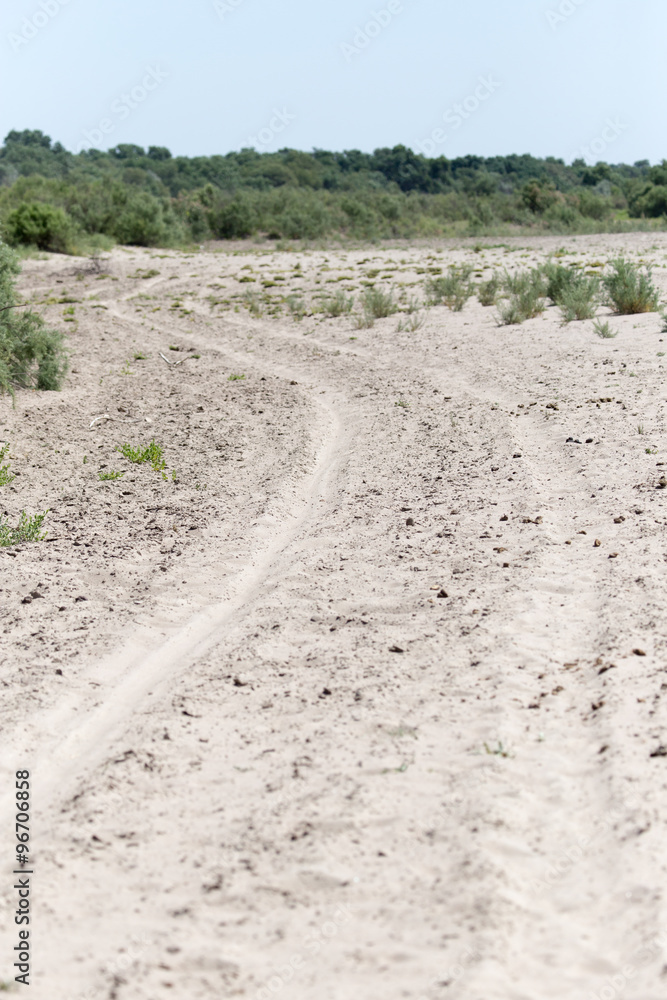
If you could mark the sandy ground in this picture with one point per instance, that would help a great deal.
(350, 702)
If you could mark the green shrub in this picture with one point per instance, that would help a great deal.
(454, 288)
(142, 222)
(580, 299)
(31, 356)
(29, 529)
(526, 291)
(39, 225)
(629, 289)
(233, 220)
(296, 306)
(338, 304)
(487, 291)
(378, 304)
(559, 279)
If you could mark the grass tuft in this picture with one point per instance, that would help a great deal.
(604, 330)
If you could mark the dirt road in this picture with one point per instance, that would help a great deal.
(364, 699)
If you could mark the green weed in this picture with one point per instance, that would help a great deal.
(6, 476)
(104, 476)
(152, 454)
(604, 330)
(29, 529)
(235, 378)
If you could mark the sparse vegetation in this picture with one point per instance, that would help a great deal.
(29, 529)
(104, 476)
(413, 323)
(630, 289)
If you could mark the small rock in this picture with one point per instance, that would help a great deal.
(442, 593)
(597, 543)
(619, 520)
(59, 672)
(613, 555)
(410, 522)
(517, 455)
(27, 600)
(396, 649)
(504, 518)
(80, 598)
(660, 751)
(639, 652)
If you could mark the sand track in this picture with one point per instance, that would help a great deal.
(248, 793)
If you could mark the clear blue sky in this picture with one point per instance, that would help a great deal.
(562, 76)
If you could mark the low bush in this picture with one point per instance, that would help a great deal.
(580, 299)
(454, 288)
(6, 476)
(338, 304)
(630, 289)
(36, 224)
(378, 304)
(526, 291)
(487, 291)
(31, 355)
